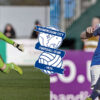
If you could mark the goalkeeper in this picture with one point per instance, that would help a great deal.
(10, 66)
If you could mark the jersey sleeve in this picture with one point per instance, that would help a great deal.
(96, 32)
(6, 39)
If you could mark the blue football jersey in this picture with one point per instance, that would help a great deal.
(96, 56)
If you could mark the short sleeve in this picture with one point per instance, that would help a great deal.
(96, 32)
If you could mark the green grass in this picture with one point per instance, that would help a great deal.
(32, 85)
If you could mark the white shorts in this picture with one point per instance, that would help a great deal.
(95, 74)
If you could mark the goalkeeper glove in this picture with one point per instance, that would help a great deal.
(19, 46)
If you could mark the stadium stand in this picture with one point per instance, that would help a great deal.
(24, 2)
(81, 23)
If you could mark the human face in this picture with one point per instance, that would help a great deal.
(8, 28)
(95, 21)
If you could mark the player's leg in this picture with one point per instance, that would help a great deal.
(3, 66)
(96, 90)
(95, 74)
(99, 97)
(95, 82)
(11, 66)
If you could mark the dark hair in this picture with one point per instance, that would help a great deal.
(97, 17)
(12, 31)
(37, 22)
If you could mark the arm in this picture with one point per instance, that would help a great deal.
(3, 37)
(19, 46)
(87, 34)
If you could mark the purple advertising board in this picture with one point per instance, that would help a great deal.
(74, 84)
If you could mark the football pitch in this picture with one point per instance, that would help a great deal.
(32, 85)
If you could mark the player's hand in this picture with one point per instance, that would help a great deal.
(19, 46)
(90, 30)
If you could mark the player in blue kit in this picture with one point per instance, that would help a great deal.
(95, 64)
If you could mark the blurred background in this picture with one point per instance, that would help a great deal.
(73, 16)
(18, 19)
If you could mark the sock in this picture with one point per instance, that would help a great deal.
(4, 67)
(96, 90)
(94, 95)
(7, 69)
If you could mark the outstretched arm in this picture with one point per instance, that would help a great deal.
(3, 37)
(19, 46)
